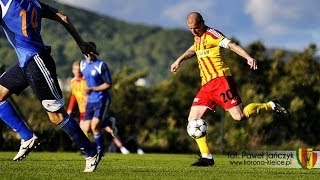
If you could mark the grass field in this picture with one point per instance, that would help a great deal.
(66, 165)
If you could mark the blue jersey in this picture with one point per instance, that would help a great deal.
(96, 73)
(21, 21)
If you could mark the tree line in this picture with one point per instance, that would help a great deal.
(157, 113)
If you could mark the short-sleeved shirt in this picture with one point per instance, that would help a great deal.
(207, 48)
(95, 74)
(78, 90)
(24, 33)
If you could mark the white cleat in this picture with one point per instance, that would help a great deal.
(124, 150)
(92, 162)
(140, 151)
(26, 147)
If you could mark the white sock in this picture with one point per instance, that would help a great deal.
(208, 156)
(272, 104)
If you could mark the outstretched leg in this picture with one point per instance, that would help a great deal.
(72, 128)
(254, 109)
(11, 118)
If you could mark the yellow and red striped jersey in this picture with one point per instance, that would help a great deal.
(78, 91)
(207, 48)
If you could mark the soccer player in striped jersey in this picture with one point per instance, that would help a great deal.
(218, 86)
(78, 96)
(21, 21)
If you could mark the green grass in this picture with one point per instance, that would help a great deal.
(64, 165)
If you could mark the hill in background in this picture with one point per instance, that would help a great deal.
(142, 47)
(119, 43)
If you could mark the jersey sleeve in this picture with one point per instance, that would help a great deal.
(106, 76)
(82, 65)
(48, 11)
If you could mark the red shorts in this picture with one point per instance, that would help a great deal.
(81, 117)
(219, 91)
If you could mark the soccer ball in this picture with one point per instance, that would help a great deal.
(197, 128)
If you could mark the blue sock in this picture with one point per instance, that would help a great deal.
(99, 138)
(71, 127)
(9, 115)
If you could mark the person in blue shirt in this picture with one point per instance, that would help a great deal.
(21, 22)
(98, 79)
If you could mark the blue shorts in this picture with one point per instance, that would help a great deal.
(40, 74)
(98, 110)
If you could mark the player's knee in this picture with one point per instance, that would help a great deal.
(56, 120)
(238, 117)
(56, 117)
(54, 109)
(95, 128)
(3, 96)
(86, 131)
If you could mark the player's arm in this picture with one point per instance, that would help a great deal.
(106, 76)
(186, 55)
(53, 14)
(241, 52)
(72, 103)
(101, 87)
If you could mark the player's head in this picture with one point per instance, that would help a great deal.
(76, 69)
(94, 51)
(93, 54)
(196, 24)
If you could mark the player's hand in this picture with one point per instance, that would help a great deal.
(174, 67)
(252, 63)
(89, 90)
(88, 48)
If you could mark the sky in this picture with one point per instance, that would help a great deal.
(287, 24)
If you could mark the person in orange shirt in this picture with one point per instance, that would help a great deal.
(79, 97)
(218, 86)
(78, 93)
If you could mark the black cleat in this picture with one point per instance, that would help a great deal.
(280, 110)
(203, 162)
